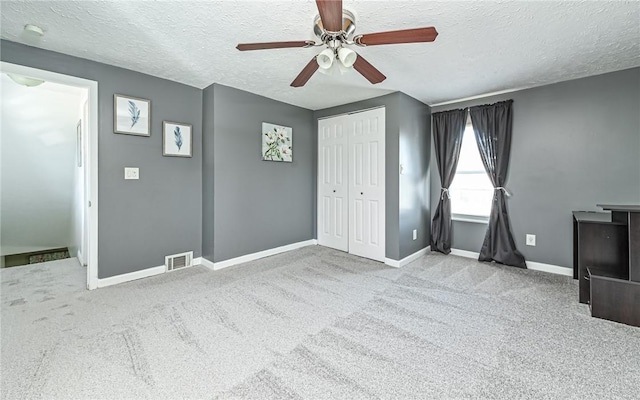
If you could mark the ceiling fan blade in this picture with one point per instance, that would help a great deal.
(402, 36)
(368, 71)
(330, 14)
(273, 45)
(306, 73)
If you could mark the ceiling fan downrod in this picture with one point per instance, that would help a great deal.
(337, 39)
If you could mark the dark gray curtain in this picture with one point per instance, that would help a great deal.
(448, 127)
(492, 126)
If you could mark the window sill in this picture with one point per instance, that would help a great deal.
(470, 218)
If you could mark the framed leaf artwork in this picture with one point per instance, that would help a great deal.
(131, 116)
(176, 139)
(277, 143)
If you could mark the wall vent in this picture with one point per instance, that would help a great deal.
(177, 261)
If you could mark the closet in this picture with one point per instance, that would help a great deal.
(351, 183)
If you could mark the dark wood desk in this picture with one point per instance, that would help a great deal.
(598, 242)
(607, 262)
(630, 216)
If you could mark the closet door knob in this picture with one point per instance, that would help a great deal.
(361, 193)
(334, 190)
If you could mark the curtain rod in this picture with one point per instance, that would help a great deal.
(479, 105)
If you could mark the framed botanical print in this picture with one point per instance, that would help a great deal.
(131, 115)
(276, 143)
(176, 139)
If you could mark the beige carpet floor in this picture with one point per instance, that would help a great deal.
(311, 324)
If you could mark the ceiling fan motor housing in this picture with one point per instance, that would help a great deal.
(335, 40)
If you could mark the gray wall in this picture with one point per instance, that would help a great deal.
(259, 204)
(414, 150)
(208, 111)
(575, 144)
(407, 123)
(139, 221)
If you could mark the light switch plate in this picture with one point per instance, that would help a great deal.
(415, 234)
(131, 173)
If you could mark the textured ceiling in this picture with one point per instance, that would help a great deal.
(483, 47)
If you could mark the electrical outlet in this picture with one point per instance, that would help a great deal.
(131, 173)
(415, 234)
(531, 239)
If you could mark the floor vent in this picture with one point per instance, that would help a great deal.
(177, 261)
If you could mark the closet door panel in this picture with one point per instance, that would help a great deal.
(332, 184)
(366, 184)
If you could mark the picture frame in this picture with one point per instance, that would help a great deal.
(79, 143)
(131, 115)
(177, 139)
(277, 142)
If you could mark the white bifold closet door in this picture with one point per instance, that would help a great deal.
(333, 224)
(351, 183)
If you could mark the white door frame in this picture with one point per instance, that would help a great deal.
(91, 204)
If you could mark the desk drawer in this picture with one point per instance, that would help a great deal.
(614, 299)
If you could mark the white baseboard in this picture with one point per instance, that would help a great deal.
(553, 269)
(392, 263)
(408, 259)
(536, 266)
(465, 253)
(203, 261)
(254, 256)
(197, 261)
(131, 276)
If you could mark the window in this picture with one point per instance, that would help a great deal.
(471, 190)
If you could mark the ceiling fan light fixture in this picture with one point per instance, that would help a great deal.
(325, 58)
(347, 57)
(34, 30)
(342, 69)
(25, 80)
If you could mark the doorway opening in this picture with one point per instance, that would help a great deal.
(48, 164)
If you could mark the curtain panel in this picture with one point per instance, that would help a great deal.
(448, 128)
(492, 126)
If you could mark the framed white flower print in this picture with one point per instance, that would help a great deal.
(277, 143)
(176, 139)
(131, 116)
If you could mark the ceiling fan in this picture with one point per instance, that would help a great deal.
(335, 29)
